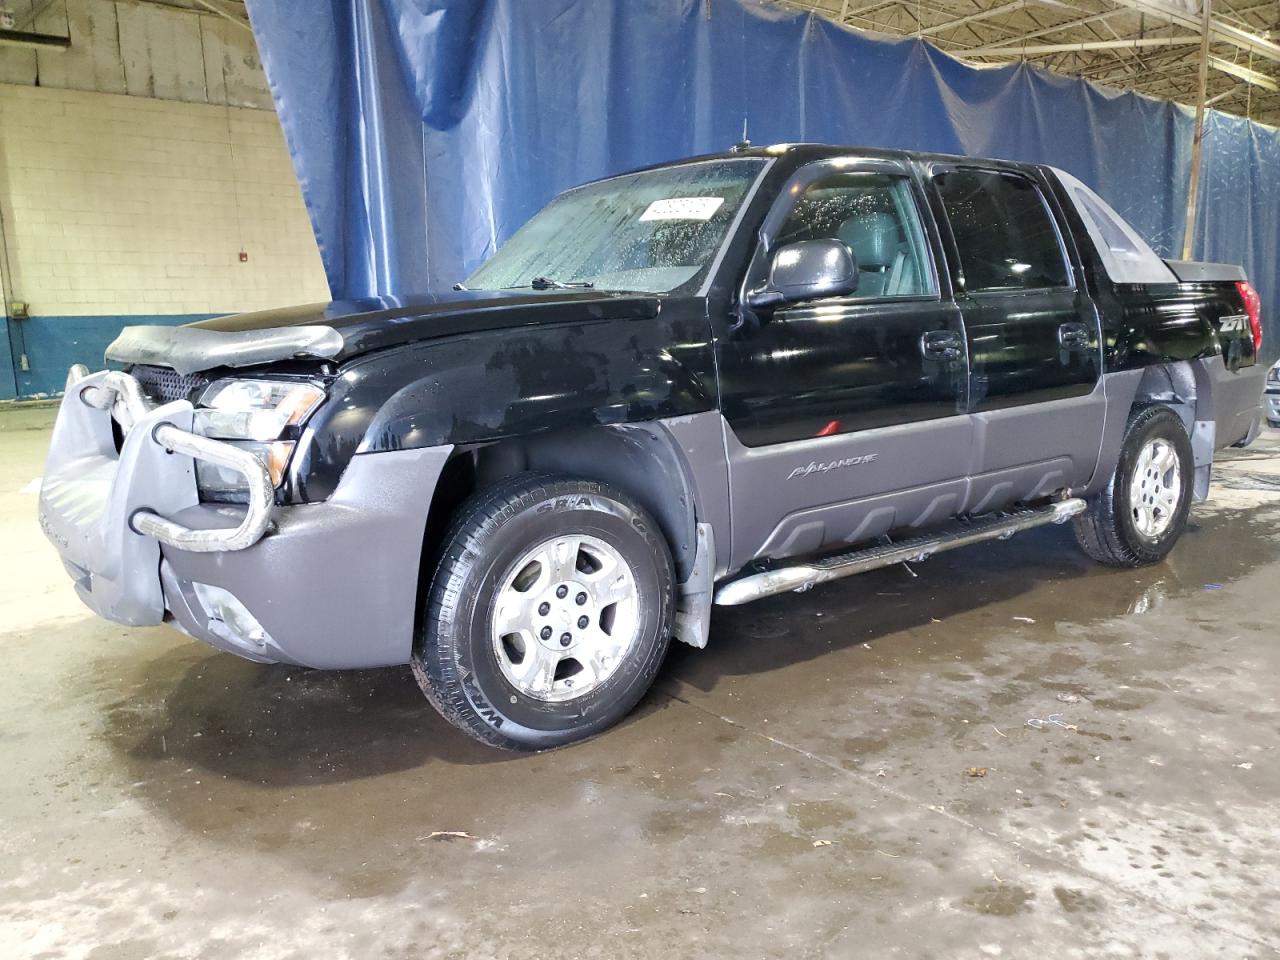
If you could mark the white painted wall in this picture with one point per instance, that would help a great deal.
(116, 205)
(135, 165)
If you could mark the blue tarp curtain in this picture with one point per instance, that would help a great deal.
(424, 132)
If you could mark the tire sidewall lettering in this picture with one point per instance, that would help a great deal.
(463, 632)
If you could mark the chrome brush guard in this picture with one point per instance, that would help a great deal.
(107, 511)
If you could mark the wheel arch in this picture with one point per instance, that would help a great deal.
(639, 459)
(1182, 386)
(1185, 388)
(643, 460)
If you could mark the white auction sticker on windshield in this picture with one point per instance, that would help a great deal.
(683, 208)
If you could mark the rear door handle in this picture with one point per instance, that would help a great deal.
(1073, 336)
(944, 345)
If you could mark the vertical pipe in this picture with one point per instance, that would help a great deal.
(1197, 145)
(8, 356)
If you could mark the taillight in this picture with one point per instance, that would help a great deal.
(1253, 307)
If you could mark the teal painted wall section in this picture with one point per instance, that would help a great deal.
(52, 344)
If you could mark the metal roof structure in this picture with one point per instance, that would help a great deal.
(1149, 46)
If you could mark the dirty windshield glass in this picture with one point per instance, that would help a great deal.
(651, 232)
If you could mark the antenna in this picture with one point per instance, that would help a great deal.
(744, 143)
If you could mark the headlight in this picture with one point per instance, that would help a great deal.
(1273, 375)
(261, 416)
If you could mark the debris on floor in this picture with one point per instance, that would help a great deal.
(1053, 720)
(976, 772)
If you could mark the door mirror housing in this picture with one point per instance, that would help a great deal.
(807, 270)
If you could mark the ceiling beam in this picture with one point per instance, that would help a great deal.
(1018, 51)
(1229, 92)
(1223, 31)
(1091, 40)
(1068, 25)
(1255, 77)
(973, 17)
(874, 14)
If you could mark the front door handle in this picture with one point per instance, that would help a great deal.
(944, 345)
(1073, 336)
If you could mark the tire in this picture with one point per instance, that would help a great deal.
(1140, 515)
(482, 658)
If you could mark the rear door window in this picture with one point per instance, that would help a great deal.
(1003, 230)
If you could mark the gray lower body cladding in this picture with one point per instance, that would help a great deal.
(805, 496)
(336, 583)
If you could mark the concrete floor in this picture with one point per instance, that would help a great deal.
(797, 790)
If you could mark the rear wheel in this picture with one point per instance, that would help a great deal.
(549, 614)
(1142, 512)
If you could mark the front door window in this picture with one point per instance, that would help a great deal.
(874, 215)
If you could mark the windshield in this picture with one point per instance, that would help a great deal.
(650, 232)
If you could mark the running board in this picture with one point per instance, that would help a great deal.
(802, 576)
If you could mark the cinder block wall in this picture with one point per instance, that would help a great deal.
(122, 209)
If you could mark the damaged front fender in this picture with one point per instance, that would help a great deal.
(498, 384)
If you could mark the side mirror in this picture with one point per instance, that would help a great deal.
(807, 270)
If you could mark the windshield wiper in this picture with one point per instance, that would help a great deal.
(548, 283)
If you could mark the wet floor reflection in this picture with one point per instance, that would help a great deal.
(1043, 567)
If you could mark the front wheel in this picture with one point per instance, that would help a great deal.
(1142, 512)
(549, 614)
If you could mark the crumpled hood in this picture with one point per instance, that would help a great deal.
(374, 323)
(346, 328)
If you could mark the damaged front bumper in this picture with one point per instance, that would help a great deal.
(331, 584)
(107, 511)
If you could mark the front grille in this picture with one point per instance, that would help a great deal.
(163, 385)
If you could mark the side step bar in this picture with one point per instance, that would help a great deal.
(801, 576)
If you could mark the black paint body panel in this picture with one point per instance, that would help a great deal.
(802, 374)
(1150, 323)
(474, 367)
(492, 384)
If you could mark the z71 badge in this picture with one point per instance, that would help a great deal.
(815, 467)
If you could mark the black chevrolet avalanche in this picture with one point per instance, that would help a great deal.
(697, 384)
